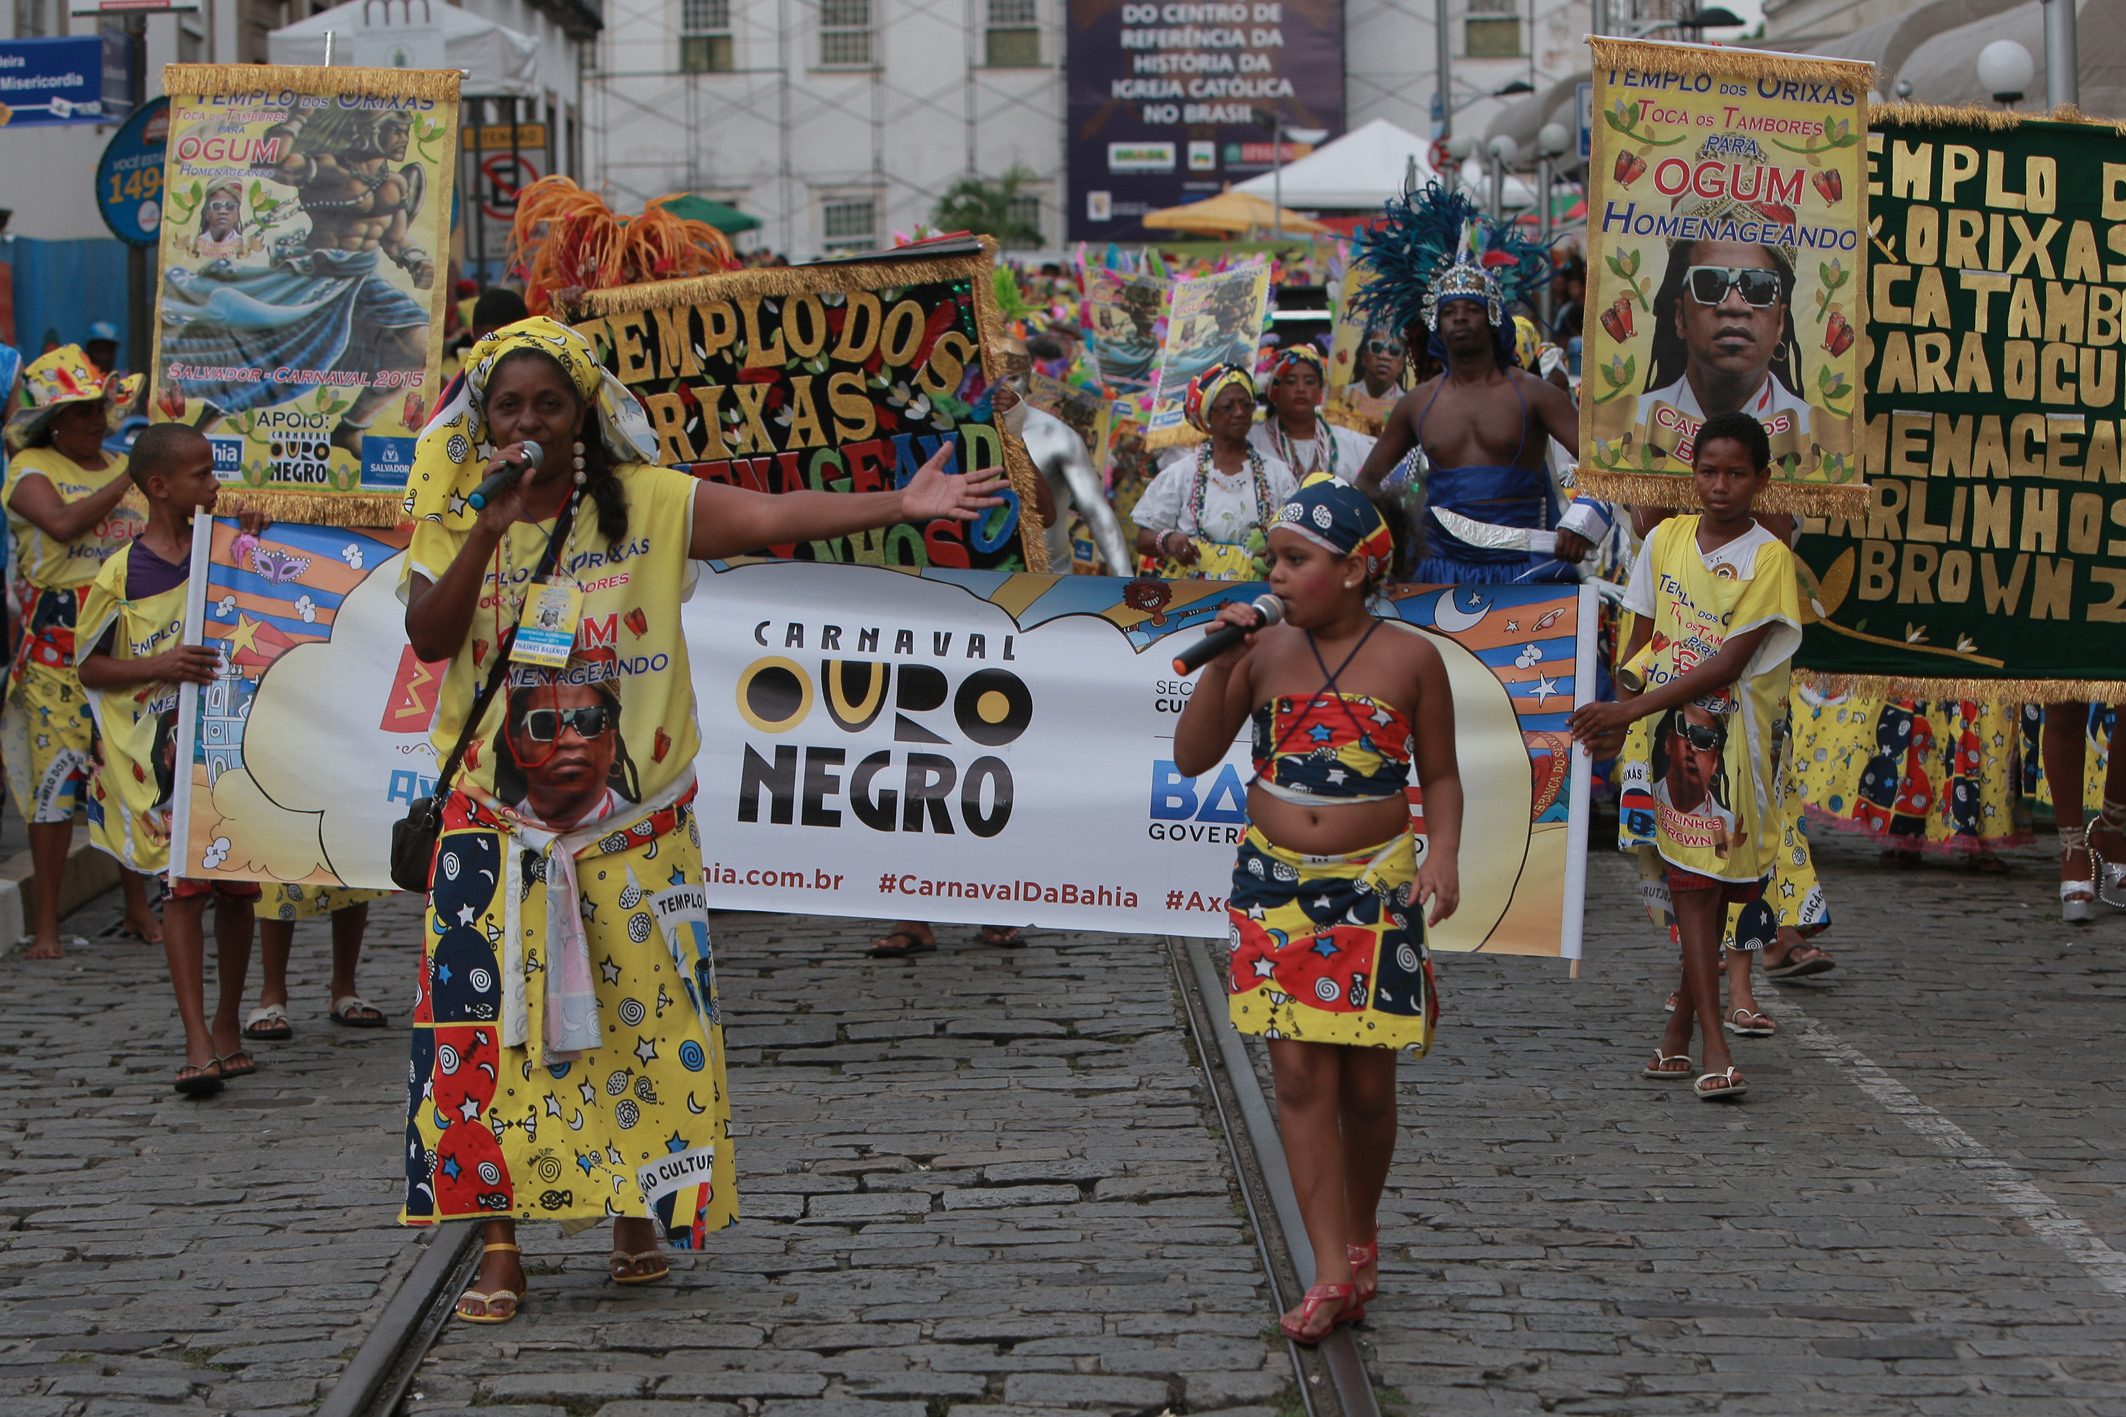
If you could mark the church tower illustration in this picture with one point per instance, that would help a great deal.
(224, 705)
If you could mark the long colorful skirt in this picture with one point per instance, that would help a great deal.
(1328, 949)
(638, 1127)
(47, 732)
(1921, 775)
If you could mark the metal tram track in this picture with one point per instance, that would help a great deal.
(1332, 1376)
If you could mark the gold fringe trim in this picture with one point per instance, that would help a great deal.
(345, 509)
(1941, 115)
(216, 80)
(1614, 53)
(1673, 490)
(771, 281)
(1344, 416)
(1184, 436)
(1018, 464)
(2007, 692)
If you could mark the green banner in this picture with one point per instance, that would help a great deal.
(1991, 560)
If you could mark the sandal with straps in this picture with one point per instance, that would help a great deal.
(621, 1266)
(2078, 896)
(1349, 1311)
(489, 1299)
(1360, 1256)
(2108, 876)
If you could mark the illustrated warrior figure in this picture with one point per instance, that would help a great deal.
(321, 303)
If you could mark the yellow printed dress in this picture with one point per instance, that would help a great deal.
(129, 796)
(1702, 782)
(568, 1059)
(1936, 776)
(288, 902)
(47, 729)
(1330, 949)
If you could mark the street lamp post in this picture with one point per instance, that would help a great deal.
(2062, 81)
(1505, 152)
(2005, 69)
(1551, 141)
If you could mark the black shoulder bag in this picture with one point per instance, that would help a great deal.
(413, 838)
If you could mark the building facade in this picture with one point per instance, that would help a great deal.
(840, 122)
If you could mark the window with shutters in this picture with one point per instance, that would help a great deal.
(1026, 212)
(1493, 29)
(845, 34)
(31, 20)
(705, 37)
(1014, 36)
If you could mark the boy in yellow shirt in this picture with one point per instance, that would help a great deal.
(1718, 620)
(132, 662)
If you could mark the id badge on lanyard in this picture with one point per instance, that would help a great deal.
(547, 631)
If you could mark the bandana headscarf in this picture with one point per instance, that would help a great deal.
(447, 463)
(1339, 517)
(1204, 389)
(1304, 355)
(58, 379)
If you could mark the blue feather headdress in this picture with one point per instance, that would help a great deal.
(1432, 246)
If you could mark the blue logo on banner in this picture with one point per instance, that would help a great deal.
(387, 462)
(228, 459)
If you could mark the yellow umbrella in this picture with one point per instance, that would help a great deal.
(1233, 213)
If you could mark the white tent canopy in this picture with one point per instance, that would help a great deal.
(416, 34)
(1360, 170)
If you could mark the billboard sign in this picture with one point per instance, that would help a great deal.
(1168, 99)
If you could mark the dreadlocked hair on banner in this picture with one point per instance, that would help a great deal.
(299, 311)
(844, 376)
(1990, 561)
(1727, 232)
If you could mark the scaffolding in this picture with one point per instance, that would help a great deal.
(783, 135)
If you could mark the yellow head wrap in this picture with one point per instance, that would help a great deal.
(448, 463)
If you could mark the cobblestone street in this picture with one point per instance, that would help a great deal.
(993, 1180)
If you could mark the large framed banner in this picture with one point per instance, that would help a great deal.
(959, 745)
(1214, 318)
(1125, 321)
(842, 376)
(1991, 563)
(1727, 221)
(299, 318)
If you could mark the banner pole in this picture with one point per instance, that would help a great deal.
(1580, 785)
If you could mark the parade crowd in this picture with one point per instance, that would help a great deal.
(1447, 461)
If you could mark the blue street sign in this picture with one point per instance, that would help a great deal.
(1583, 105)
(60, 81)
(129, 175)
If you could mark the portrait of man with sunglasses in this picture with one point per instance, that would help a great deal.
(1724, 342)
(1382, 360)
(1690, 777)
(562, 759)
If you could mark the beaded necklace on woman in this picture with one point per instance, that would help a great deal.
(1258, 472)
(1324, 439)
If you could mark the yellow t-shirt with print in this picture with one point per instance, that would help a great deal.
(129, 800)
(628, 640)
(1708, 772)
(57, 565)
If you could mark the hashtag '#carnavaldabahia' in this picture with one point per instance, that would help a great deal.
(885, 884)
(1174, 899)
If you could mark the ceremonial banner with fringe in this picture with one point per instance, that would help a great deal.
(839, 377)
(1991, 563)
(1726, 235)
(299, 320)
(1211, 319)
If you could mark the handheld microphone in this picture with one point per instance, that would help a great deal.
(505, 476)
(1268, 610)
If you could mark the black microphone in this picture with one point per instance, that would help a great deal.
(505, 476)
(1268, 611)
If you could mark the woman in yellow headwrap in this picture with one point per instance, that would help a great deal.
(63, 494)
(1207, 516)
(567, 1059)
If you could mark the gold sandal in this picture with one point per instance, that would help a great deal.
(622, 1260)
(488, 1300)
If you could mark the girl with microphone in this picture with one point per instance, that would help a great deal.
(1330, 896)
